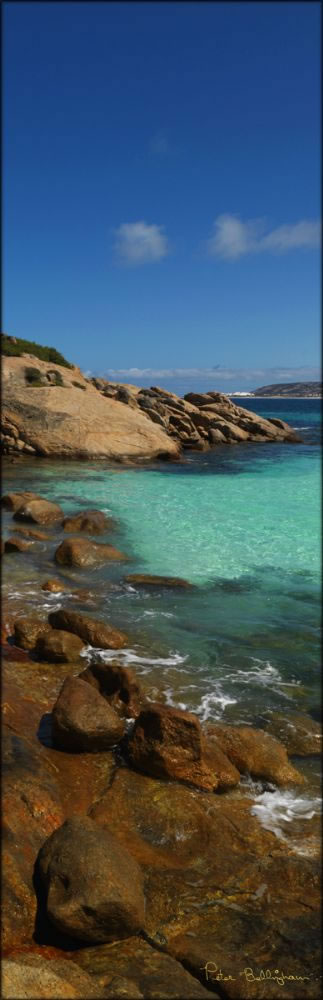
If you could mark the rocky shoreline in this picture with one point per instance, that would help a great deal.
(50, 411)
(133, 865)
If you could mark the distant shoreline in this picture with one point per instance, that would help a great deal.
(272, 397)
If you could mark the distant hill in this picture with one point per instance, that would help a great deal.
(290, 389)
(15, 347)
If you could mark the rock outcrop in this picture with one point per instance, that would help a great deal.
(81, 552)
(93, 632)
(44, 417)
(82, 719)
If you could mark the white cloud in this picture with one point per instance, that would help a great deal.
(159, 144)
(219, 374)
(138, 243)
(233, 238)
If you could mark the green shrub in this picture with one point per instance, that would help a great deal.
(22, 346)
(33, 376)
(79, 386)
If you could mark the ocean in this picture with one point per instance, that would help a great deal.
(242, 524)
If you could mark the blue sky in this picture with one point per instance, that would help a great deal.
(162, 183)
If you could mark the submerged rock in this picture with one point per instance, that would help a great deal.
(157, 581)
(96, 633)
(82, 719)
(94, 886)
(299, 733)
(53, 586)
(94, 522)
(81, 552)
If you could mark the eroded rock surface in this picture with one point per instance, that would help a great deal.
(82, 719)
(256, 752)
(118, 685)
(92, 522)
(94, 632)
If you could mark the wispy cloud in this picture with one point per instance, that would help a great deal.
(233, 238)
(218, 374)
(139, 243)
(159, 144)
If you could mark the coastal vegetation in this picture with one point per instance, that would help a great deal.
(14, 347)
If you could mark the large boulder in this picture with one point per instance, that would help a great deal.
(82, 553)
(93, 522)
(39, 978)
(94, 887)
(59, 647)
(157, 581)
(118, 685)
(145, 971)
(93, 632)
(28, 630)
(39, 512)
(168, 743)
(256, 752)
(83, 721)
(13, 501)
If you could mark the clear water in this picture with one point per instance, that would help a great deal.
(240, 523)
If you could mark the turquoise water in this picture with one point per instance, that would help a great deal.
(243, 525)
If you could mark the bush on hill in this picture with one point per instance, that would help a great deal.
(16, 346)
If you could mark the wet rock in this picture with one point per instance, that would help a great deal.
(94, 887)
(256, 752)
(298, 732)
(39, 512)
(82, 719)
(157, 581)
(17, 545)
(59, 647)
(94, 522)
(14, 501)
(155, 974)
(216, 436)
(118, 685)
(168, 743)
(32, 976)
(53, 586)
(93, 632)
(39, 536)
(82, 553)
(28, 630)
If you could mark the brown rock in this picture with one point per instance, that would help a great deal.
(94, 522)
(82, 719)
(80, 552)
(28, 630)
(57, 420)
(299, 733)
(118, 685)
(216, 436)
(93, 632)
(157, 976)
(54, 586)
(168, 743)
(39, 536)
(157, 581)
(94, 886)
(32, 976)
(13, 501)
(59, 647)
(254, 751)
(39, 512)
(17, 545)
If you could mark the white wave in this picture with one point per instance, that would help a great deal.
(130, 656)
(276, 809)
(264, 674)
(158, 614)
(213, 704)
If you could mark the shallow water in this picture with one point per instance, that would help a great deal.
(240, 523)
